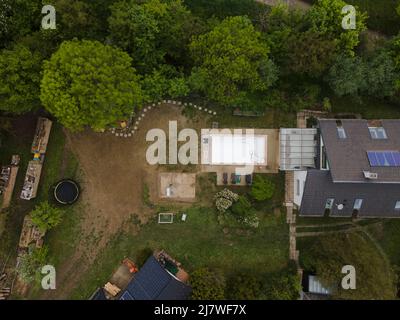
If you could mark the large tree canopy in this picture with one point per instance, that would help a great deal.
(19, 79)
(231, 62)
(151, 31)
(375, 76)
(347, 75)
(18, 18)
(86, 83)
(325, 17)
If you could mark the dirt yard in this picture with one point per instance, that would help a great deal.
(114, 173)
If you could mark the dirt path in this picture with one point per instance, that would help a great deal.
(114, 172)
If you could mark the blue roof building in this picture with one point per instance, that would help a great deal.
(154, 282)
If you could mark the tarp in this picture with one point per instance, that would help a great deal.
(238, 149)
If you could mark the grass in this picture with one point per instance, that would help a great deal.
(201, 240)
(196, 243)
(387, 234)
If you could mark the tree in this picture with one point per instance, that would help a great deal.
(20, 79)
(45, 216)
(382, 75)
(207, 285)
(231, 62)
(151, 31)
(309, 53)
(31, 264)
(325, 18)
(347, 76)
(86, 83)
(262, 188)
(164, 82)
(328, 254)
(394, 51)
(74, 18)
(244, 287)
(18, 18)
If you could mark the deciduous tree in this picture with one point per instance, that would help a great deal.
(86, 83)
(231, 62)
(19, 79)
(325, 18)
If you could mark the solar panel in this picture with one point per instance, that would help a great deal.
(126, 296)
(396, 156)
(384, 158)
(390, 159)
(372, 159)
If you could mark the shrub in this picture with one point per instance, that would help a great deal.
(45, 216)
(31, 264)
(224, 199)
(244, 287)
(207, 285)
(244, 212)
(262, 189)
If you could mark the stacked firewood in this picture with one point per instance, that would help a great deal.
(5, 291)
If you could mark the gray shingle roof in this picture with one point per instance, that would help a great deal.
(348, 157)
(379, 200)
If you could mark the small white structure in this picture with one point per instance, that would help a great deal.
(220, 148)
(168, 191)
(165, 218)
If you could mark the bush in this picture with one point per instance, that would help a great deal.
(207, 285)
(326, 105)
(244, 212)
(285, 286)
(31, 264)
(262, 189)
(224, 199)
(244, 287)
(45, 216)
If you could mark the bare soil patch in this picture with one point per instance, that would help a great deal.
(114, 173)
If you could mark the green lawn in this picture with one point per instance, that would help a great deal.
(195, 243)
(387, 234)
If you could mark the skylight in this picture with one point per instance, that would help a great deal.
(340, 130)
(341, 133)
(384, 158)
(358, 204)
(377, 132)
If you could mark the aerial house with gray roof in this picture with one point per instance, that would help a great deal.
(356, 171)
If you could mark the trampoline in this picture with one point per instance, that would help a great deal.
(66, 192)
